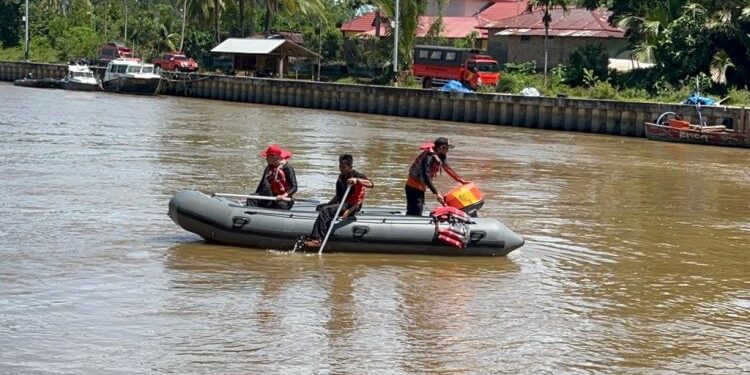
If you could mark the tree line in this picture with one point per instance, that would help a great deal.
(684, 38)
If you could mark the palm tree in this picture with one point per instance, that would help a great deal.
(728, 26)
(290, 6)
(547, 6)
(645, 26)
(409, 13)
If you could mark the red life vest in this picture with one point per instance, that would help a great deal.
(456, 233)
(415, 170)
(276, 179)
(356, 195)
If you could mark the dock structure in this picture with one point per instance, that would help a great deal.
(554, 113)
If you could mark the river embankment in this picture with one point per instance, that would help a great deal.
(554, 113)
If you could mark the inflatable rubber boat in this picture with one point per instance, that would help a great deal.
(373, 230)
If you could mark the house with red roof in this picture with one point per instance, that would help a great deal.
(521, 38)
(460, 19)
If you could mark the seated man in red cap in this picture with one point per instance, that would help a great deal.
(352, 202)
(278, 180)
(423, 169)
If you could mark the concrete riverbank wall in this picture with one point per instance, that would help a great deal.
(583, 115)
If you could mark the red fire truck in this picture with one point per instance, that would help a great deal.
(437, 65)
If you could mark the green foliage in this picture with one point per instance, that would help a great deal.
(528, 67)
(738, 97)
(410, 11)
(603, 90)
(39, 50)
(10, 22)
(468, 41)
(369, 58)
(77, 42)
(514, 82)
(590, 58)
(685, 49)
(198, 44)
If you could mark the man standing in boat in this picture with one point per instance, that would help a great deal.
(352, 202)
(423, 169)
(278, 180)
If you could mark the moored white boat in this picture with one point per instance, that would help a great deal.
(131, 76)
(80, 77)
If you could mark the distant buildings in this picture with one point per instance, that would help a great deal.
(521, 38)
(460, 19)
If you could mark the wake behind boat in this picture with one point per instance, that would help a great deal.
(372, 230)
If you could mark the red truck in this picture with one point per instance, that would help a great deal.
(113, 50)
(436, 65)
(176, 61)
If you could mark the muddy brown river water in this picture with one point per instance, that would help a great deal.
(637, 255)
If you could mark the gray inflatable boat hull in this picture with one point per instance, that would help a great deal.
(373, 230)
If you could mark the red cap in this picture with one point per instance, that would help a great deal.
(275, 150)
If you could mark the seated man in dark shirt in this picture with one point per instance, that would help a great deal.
(352, 202)
(278, 180)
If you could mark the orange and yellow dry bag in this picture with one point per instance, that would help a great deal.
(465, 197)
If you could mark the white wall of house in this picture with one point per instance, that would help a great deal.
(517, 49)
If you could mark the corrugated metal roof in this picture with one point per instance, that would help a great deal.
(499, 10)
(252, 46)
(453, 27)
(362, 23)
(248, 46)
(575, 22)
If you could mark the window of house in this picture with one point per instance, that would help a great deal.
(525, 38)
(436, 55)
(450, 56)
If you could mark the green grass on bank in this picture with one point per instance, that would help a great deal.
(512, 83)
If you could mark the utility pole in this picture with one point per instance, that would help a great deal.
(320, 47)
(184, 20)
(395, 42)
(26, 44)
(126, 21)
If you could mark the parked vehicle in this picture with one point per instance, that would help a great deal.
(176, 61)
(131, 76)
(114, 50)
(437, 65)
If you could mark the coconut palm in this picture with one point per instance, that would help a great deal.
(409, 13)
(546, 6)
(728, 26)
(290, 6)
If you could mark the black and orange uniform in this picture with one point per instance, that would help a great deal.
(423, 169)
(352, 204)
(276, 181)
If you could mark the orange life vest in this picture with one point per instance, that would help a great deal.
(415, 171)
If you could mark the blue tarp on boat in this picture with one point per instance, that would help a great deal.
(696, 99)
